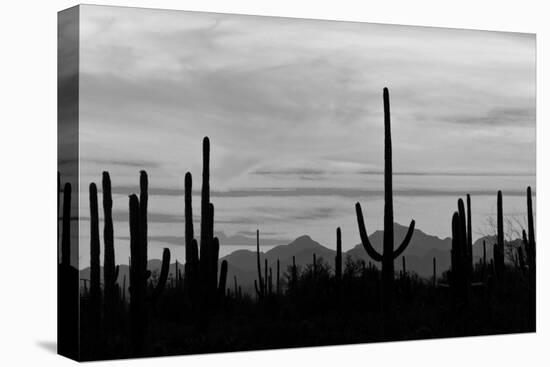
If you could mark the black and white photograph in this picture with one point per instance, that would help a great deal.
(236, 182)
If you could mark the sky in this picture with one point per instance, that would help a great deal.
(293, 109)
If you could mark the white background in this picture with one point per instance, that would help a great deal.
(29, 159)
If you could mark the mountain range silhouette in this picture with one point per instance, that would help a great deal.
(242, 263)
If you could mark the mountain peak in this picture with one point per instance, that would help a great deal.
(304, 241)
(302, 238)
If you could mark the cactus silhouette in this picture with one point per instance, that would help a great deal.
(214, 263)
(139, 275)
(460, 281)
(138, 279)
(498, 248)
(205, 240)
(95, 287)
(223, 279)
(143, 203)
(338, 258)
(388, 254)
(109, 270)
(469, 248)
(161, 283)
(67, 284)
(529, 240)
(260, 286)
(191, 249)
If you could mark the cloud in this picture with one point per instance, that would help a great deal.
(499, 116)
(133, 163)
(234, 240)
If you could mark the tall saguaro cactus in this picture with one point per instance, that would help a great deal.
(529, 239)
(138, 267)
(201, 262)
(498, 249)
(469, 246)
(138, 279)
(389, 254)
(338, 258)
(67, 283)
(143, 203)
(260, 289)
(191, 248)
(460, 258)
(109, 267)
(95, 289)
(205, 212)
(209, 245)
(223, 279)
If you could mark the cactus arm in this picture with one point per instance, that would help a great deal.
(163, 274)
(406, 241)
(525, 241)
(364, 237)
(260, 282)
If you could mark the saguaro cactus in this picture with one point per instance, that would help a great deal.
(67, 284)
(138, 279)
(260, 284)
(161, 283)
(138, 267)
(469, 246)
(498, 249)
(459, 256)
(223, 279)
(529, 239)
(191, 268)
(389, 254)
(214, 264)
(109, 267)
(95, 289)
(205, 214)
(338, 258)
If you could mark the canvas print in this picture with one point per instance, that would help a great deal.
(233, 183)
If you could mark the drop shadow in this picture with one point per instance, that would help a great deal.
(48, 345)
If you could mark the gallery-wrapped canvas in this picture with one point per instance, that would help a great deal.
(233, 183)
